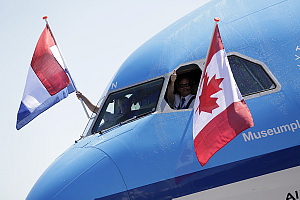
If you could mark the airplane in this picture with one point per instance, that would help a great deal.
(149, 154)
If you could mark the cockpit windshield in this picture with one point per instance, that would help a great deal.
(128, 104)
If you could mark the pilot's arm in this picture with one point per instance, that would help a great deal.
(87, 102)
(170, 90)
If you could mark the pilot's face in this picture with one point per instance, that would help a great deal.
(124, 105)
(184, 87)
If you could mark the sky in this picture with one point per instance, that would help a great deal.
(95, 37)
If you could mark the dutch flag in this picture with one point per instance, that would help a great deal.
(47, 81)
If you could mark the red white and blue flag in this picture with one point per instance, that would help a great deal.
(220, 112)
(47, 80)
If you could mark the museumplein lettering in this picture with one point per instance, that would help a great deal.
(292, 127)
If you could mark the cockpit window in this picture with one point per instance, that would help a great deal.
(180, 94)
(129, 104)
(250, 77)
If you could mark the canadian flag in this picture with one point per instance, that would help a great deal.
(220, 112)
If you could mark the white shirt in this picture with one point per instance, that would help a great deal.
(178, 102)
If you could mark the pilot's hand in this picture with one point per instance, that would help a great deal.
(173, 76)
(79, 95)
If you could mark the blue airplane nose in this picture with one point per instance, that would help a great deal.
(80, 173)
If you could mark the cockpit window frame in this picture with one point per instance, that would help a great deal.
(277, 85)
(101, 103)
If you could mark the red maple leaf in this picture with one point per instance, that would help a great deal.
(208, 103)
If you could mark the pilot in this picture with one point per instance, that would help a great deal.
(123, 105)
(184, 99)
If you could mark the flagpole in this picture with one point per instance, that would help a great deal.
(217, 19)
(66, 67)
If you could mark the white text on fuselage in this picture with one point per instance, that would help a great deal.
(297, 57)
(114, 85)
(292, 127)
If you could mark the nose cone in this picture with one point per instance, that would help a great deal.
(80, 173)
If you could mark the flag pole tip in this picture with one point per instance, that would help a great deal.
(45, 17)
(217, 19)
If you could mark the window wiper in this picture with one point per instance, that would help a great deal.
(127, 120)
